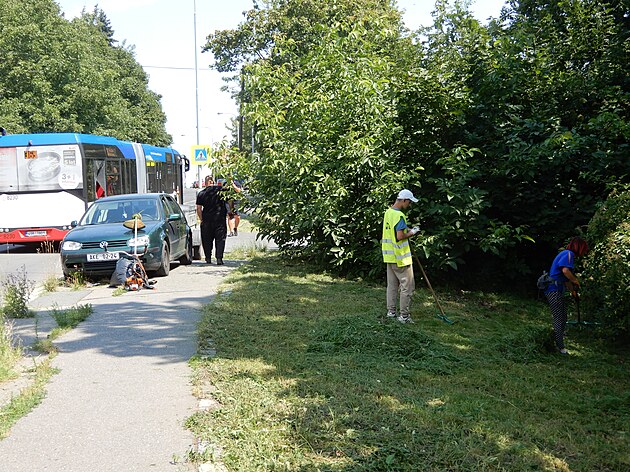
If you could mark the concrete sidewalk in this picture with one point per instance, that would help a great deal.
(123, 390)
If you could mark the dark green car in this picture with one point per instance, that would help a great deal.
(94, 245)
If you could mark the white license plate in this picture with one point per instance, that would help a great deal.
(103, 256)
(30, 234)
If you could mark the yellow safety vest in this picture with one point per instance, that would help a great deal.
(394, 251)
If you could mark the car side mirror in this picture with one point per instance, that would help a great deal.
(74, 224)
(174, 217)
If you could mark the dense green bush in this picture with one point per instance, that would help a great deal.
(509, 145)
(607, 269)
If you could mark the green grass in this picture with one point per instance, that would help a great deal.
(66, 319)
(9, 353)
(247, 251)
(76, 281)
(71, 317)
(52, 283)
(311, 377)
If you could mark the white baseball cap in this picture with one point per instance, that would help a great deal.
(407, 195)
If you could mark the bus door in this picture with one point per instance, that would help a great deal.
(153, 176)
(129, 176)
(170, 175)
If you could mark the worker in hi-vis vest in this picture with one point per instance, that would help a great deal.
(397, 256)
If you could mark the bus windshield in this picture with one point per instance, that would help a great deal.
(120, 211)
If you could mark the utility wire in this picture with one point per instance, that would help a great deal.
(175, 68)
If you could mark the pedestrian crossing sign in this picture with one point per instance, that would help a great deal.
(201, 155)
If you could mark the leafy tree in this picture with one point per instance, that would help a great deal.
(508, 131)
(550, 114)
(324, 121)
(456, 204)
(58, 75)
(99, 20)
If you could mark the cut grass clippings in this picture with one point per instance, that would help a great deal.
(310, 376)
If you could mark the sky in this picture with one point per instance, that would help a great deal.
(162, 32)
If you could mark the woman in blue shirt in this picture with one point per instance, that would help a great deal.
(564, 279)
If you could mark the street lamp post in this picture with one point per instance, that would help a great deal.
(239, 127)
(196, 85)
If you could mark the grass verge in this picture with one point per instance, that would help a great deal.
(310, 376)
(247, 251)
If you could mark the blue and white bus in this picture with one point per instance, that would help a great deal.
(47, 180)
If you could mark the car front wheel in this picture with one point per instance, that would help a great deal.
(165, 264)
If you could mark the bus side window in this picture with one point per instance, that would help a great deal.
(114, 183)
(129, 179)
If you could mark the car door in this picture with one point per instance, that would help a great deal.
(176, 226)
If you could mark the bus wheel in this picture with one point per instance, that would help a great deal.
(165, 265)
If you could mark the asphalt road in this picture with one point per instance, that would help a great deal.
(35, 267)
(123, 390)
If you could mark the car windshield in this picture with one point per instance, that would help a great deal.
(119, 211)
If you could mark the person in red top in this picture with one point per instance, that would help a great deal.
(563, 276)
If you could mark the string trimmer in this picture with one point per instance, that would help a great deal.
(441, 315)
(576, 296)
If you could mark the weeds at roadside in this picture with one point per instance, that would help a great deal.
(28, 398)
(51, 284)
(47, 247)
(9, 353)
(66, 319)
(17, 290)
(46, 345)
(76, 280)
(71, 317)
(118, 291)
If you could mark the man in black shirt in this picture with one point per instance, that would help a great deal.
(212, 211)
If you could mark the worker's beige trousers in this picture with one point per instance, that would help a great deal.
(400, 280)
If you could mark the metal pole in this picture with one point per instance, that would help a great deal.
(196, 70)
(196, 86)
(240, 113)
